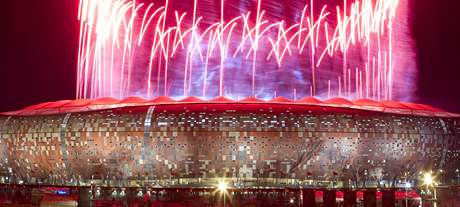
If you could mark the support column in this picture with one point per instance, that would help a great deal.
(308, 198)
(370, 198)
(388, 198)
(147, 153)
(5, 159)
(349, 198)
(329, 198)
(84, 197)
(66, 168)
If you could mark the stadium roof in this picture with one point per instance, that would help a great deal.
(337, 104)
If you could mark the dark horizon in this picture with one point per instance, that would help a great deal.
(40, 43)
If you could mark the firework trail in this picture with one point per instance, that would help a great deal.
(239, 48)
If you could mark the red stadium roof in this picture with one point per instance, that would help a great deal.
(394, 104)
(333, 104)
(309, 100)
(57, 104)
(222, 100)
(367, 102)
(133, 100)
(190, 99)
(251, 99)
(280, 99)
(339, 101)
(78, 103)
(105, 101)
(161, 99)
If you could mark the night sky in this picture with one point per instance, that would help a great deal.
(39, 43)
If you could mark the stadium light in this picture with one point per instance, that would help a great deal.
(222, 186)
(428, 179)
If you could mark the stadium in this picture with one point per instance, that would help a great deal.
(199, 103)
(248, 144)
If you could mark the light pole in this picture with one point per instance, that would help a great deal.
(407, 185)
(441, 180)
(457, 171)
(365, 178)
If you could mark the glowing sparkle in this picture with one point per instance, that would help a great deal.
(428, 179)
(222, 186)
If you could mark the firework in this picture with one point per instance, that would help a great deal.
(237, 48)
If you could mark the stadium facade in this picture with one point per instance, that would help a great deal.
(250, 143)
